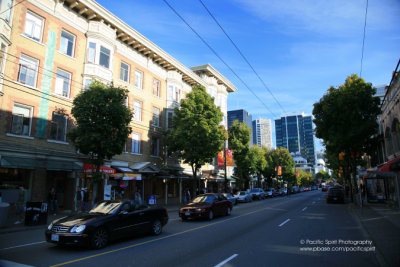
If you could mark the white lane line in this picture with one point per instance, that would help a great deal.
(225, 261)
(24, 245)
(284, 222)
(304, 209)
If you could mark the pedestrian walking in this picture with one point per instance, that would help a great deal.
(52, 198)
(20, 205)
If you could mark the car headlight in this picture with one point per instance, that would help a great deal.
(50, 226)
(200, 209)
(78, 229)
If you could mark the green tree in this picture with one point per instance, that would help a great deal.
(281, 157)
(323, 175)
(258, 162)
(269, 171)
(346, 118)
(102, 124)
(239, 142)
(196, 135)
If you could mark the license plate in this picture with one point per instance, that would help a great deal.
(187, 214)
(54, 238)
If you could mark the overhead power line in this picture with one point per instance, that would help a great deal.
(217, 55)
(240, 52)
(362, 49)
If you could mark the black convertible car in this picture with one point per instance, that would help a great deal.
(107, 220)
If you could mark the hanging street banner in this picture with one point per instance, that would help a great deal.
(229, 158)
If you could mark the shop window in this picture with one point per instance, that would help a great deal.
(63, 83)
(34, 26)
(58, 127)
(67, 43)
(28, 69)
(21, 120)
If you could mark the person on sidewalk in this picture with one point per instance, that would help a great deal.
(79, 199)
(52, 198)
(20, 205)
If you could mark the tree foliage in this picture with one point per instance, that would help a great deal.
(258, 162)
(102, 122)
(346, 118)
(239, 142)
(196, 135)
(281, 157)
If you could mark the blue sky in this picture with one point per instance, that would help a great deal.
(298, 47)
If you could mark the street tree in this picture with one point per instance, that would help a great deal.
(197, 134)
(101, 124)
(269, 172)
(322, 175)
(345, 119)
(258, 162)
(281, 157)
(239, 141)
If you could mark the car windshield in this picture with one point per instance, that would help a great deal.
(204, 198)
(105, 207)
(253, 190)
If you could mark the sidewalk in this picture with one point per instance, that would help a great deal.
(10, 227)
(382, 224)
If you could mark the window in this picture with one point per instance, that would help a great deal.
(2, 57)
(156, 87)
(137, 109)
(58, 127)
(87, 84)
(169, 119)
(9, 10)
(63, 83)
(21, 120)
(156, 117)
(104, 57)
(124, 74)
(177, 94)
(33, 26)
(155, 146)
(67, 43)
(136, 140)
(92, 53)
(139, 79)
(27, 72)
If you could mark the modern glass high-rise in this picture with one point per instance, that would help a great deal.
(296, 133)
(242, 116)
(262, 133)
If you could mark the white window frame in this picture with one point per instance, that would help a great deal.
(63, 83)
(29, 66)
(136, 143)
(124, 73)
(66, 43)
(20, 123)
(91, 55)
(156, 87)
(34, 26)
(104, 56)
(58, 127)
(137, 109)
(156, 117)
(139, 79)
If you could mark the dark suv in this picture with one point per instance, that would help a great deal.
(335, 194)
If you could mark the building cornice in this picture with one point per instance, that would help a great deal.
(210, 71)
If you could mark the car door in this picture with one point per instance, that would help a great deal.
(220, 204)
(123, 224)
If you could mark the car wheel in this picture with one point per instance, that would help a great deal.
(211, 215)
(228, 211)
(99, 238)
(156, 227)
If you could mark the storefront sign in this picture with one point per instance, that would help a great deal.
(90, 168)
(128, 176)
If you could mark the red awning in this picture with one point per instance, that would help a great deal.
(89, 168)
(387, 166)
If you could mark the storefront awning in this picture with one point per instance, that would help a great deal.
(123, 169)
(144, 167)
(35, 163)
(90, 168)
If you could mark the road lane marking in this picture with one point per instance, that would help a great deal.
(284, 223)
(225, 261)
(24, 245)
(165, 237)
(304, 209)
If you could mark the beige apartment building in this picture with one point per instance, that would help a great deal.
(50, 51)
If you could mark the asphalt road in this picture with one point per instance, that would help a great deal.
(299, 230)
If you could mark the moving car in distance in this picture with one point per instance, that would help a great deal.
(107, 220)
(335, 194)
(244, 196)
(206, 206)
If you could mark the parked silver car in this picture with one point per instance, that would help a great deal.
(231, 198)
(243, 196)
